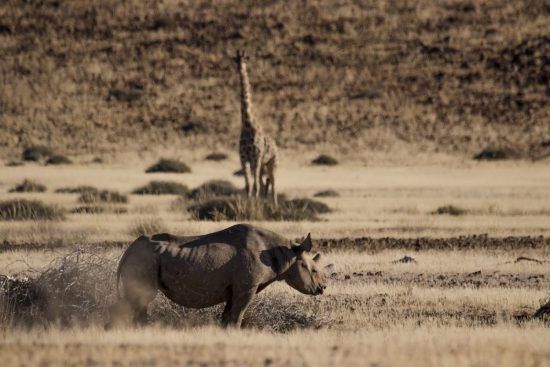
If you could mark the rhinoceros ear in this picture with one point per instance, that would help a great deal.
(306, 244)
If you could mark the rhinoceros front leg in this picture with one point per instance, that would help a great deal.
(238, 306)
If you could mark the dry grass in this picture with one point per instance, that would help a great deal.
(396, 77)
(390, 319)
(499, 200)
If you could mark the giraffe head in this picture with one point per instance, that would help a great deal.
(240, 58)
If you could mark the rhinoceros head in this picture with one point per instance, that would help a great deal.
(305, 275)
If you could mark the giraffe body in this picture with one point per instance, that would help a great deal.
(257, 151)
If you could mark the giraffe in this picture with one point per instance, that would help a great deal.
(257, 151)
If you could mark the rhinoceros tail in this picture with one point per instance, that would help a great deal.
(121, 262)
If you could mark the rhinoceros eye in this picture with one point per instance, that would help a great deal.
(313, 270)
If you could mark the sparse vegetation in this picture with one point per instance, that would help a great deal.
(29, 186)
(450, 210)
(21, 209)
(169, 166)
(216, 156)
(103, 196)
(37, 153)
(83, 189)
(325, 160)
(58, 159)
(162, 188)
(327, 194)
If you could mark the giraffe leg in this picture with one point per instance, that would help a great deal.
(271, 180)
(257, 170)
(247, 179)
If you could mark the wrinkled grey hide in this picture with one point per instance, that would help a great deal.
(228, 266)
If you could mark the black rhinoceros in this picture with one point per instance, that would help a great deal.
(229, 266)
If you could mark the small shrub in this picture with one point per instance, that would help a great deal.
(29, 186)
(495, 154)
(449, 210)
(214, 188)
(37, 152)
(14, 164)
(21, 209)
(162, 188)
(324, 160)
(326, 194)
(77, 190)
(169, 165)
(97, 160)
(103, 196)
(216, 157)
(58, 159)
(240, 208)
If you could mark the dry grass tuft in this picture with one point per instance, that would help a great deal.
(15, 164)
(37, 153)
(169, 166)
(450, 210)
(29, 186)
(58, 159)
(324, 160)
(84, 189)
(103, 196)
(216, 156)
(496, 154)
(22, 209)
(147, 226)
(162, 188)
(98, 209)
(327, 194)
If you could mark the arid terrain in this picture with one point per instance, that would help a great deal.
(467, 296)
(414, 146)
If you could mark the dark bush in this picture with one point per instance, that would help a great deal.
(449, 210)
(37, 153)
(29, 186)
(324, 160)
(103, 196)
(14, 164)
(77, 190)
(214, 188)
(169, 165)
(326, 194)
(58, 159)
(216, 157)
(162, 188)
(239, 208)
(21, 209)
(495, 154)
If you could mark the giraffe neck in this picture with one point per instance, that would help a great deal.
(248, 119)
